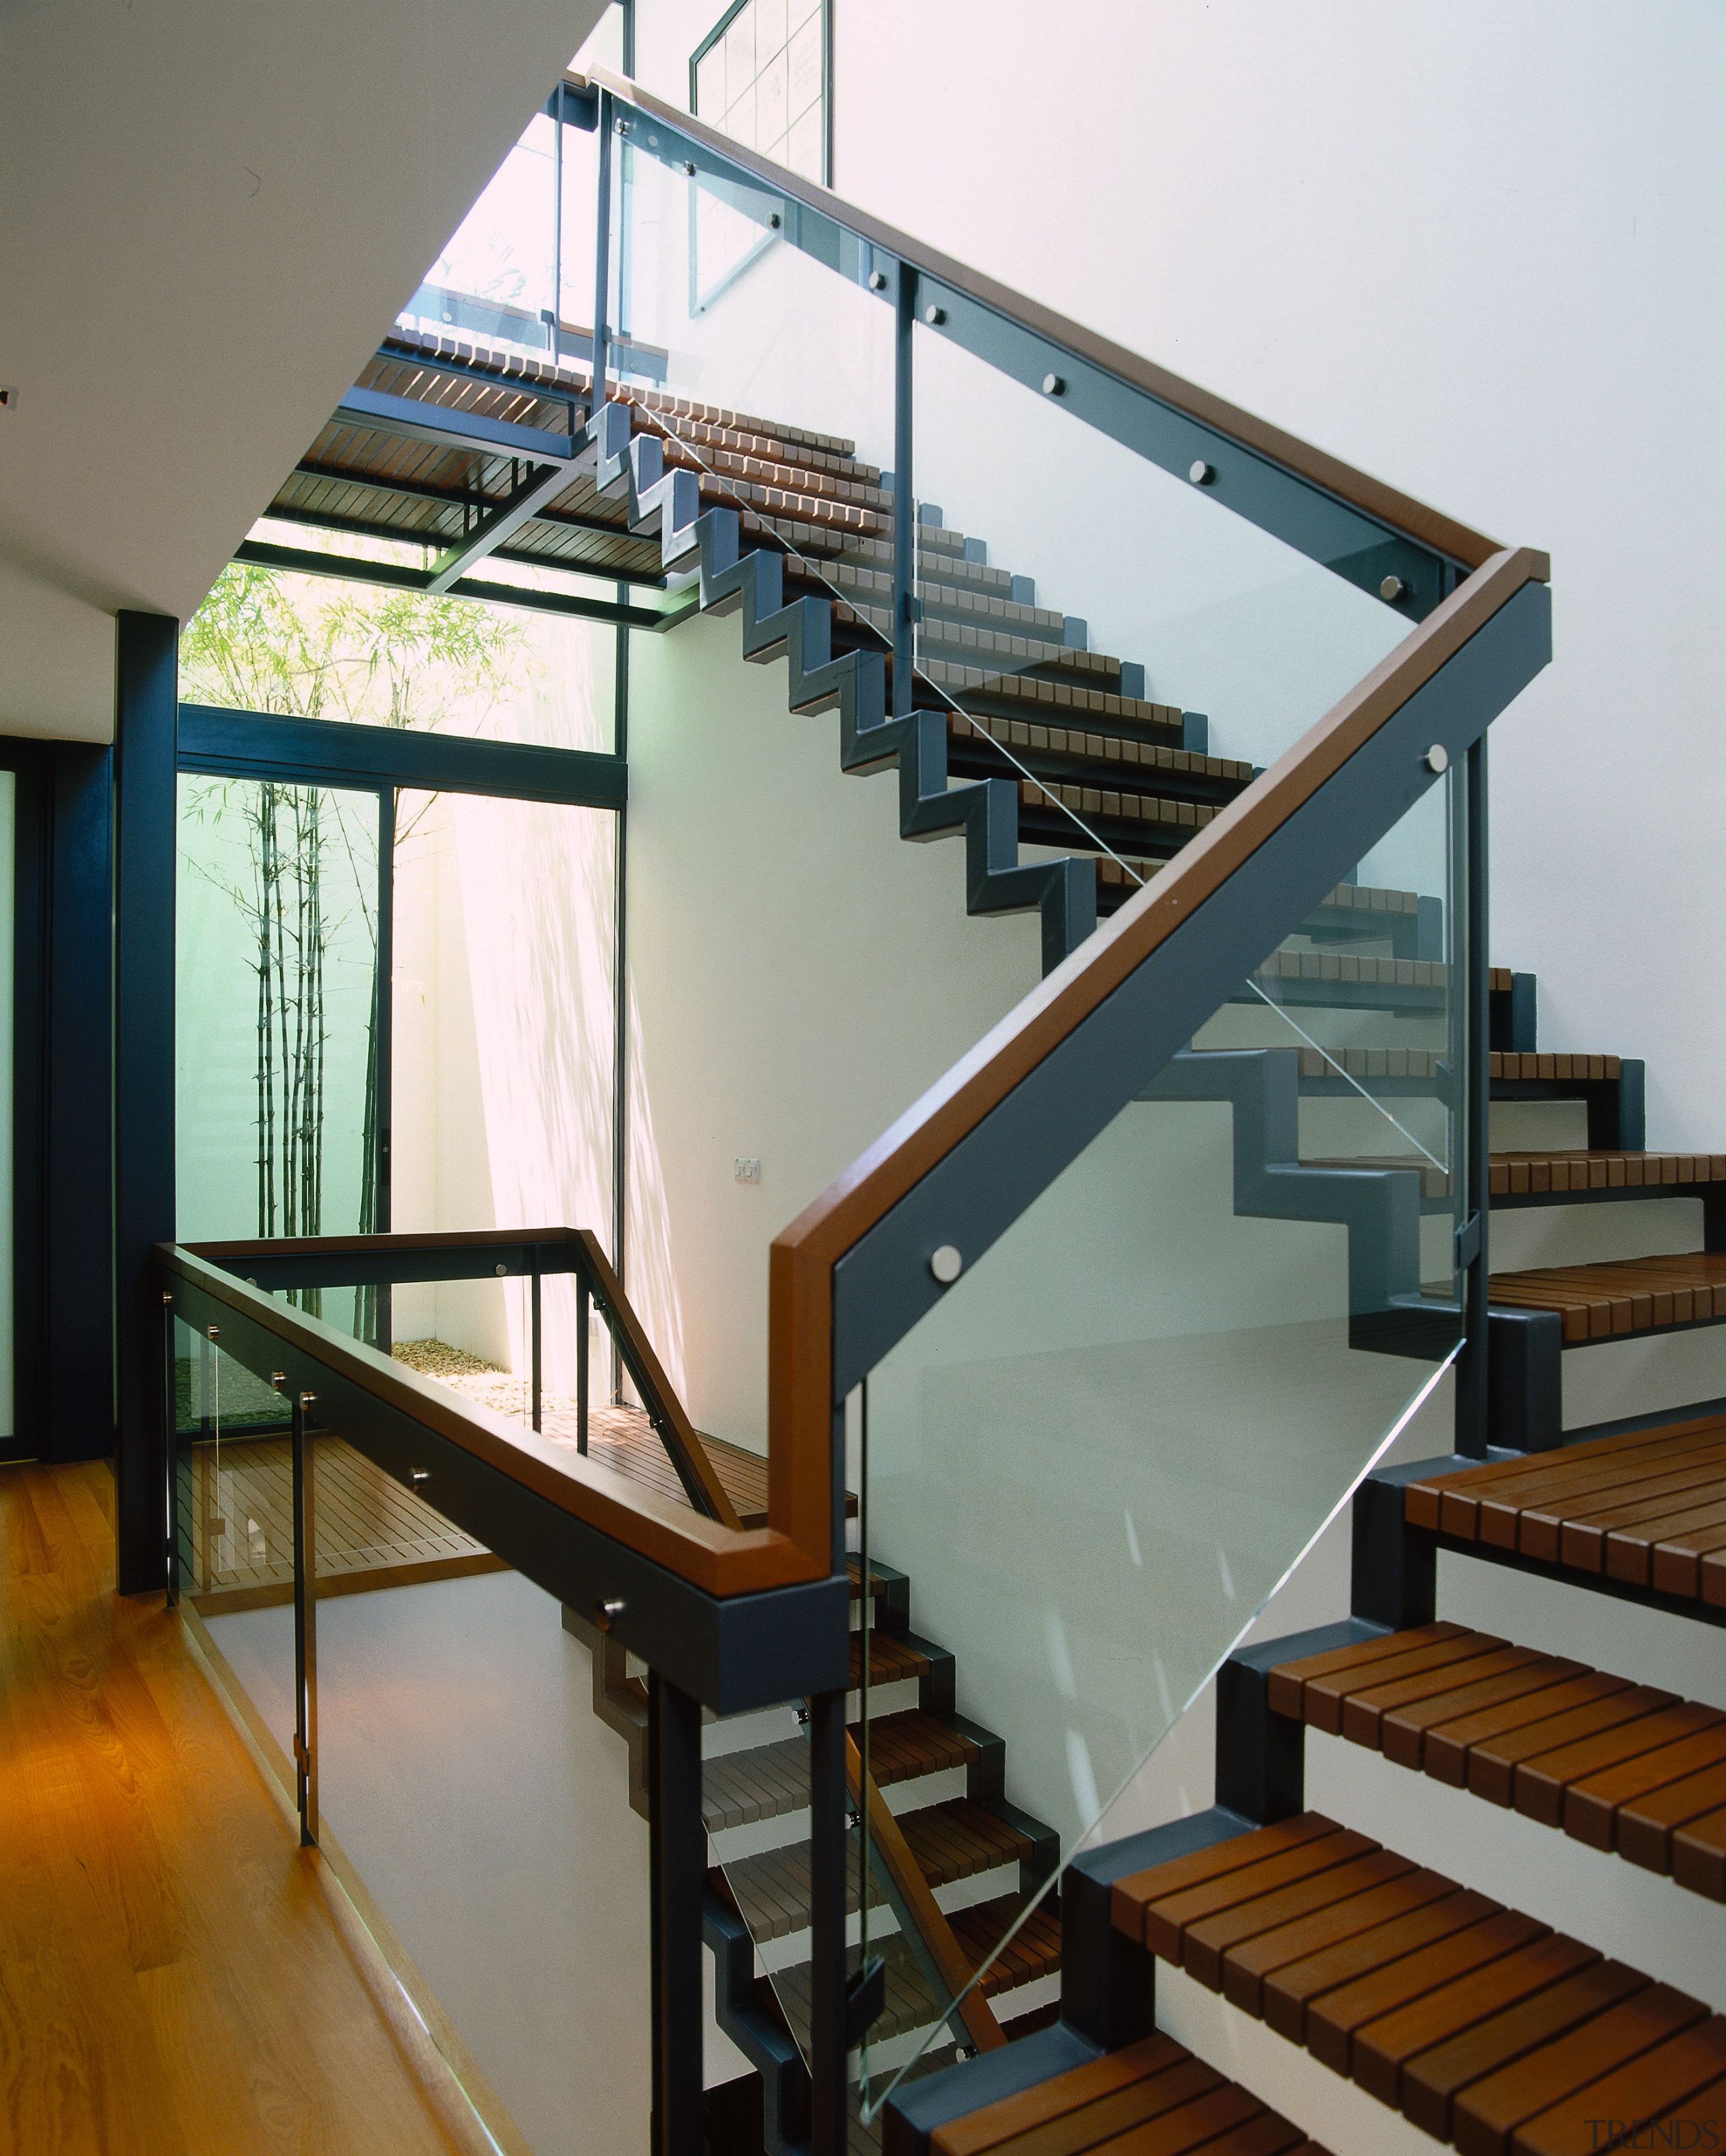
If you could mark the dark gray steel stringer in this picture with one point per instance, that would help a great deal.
(1379, 1207)
(667, 502)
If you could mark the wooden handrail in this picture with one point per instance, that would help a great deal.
(802, 1257)
(720, 1559)
(1386, 505)
(925, 1912)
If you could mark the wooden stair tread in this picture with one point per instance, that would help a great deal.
(892, 1660)
(1491, 2030)
(1152, 2096)
(1647, 1507)
(1511, 1174)
(1624, 1295)
(958, 1840)
(1524, 1067)
(902, 1747)
(1617, 1765)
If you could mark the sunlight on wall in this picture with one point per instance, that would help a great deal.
(504, 1029)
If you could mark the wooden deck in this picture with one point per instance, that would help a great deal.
(236, 1525)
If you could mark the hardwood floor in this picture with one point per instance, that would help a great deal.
(177, 1977)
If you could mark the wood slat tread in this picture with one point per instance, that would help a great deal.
(1626, 1296)
(1482, 2025)
(1617, 1765)
(1527, 1068)
(1153, 2098)
(1516, 1174)
(1647, 1507)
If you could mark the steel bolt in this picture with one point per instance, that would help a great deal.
(1392, 589)
(877, 281)
(934, 316)
(946, 1265)
(1201, 474)
(501, 1271)
(1055, 385)
(1437, 757)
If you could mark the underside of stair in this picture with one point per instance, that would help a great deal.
(1482, 2025)
(1618, 1765)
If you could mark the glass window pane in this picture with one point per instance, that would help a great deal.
(326, 647)
(276, 955)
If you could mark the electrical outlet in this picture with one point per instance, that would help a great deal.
(746, 1171)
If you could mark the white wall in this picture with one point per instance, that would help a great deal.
(798, 976)
(1471, 250)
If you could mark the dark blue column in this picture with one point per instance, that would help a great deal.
(146, 699)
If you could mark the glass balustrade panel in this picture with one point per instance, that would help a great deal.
(234, 1525)
(477, 1781)
(747, 328)
(1129, 650)
(1126, 1419)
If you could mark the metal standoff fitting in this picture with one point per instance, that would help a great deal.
(934, 316)
(1055, 385)
(416, 1475)
(877, 281)
(623, 126)
(946, 1265)
(774, 220)
(607, 1613)
(1201, 474)
(308, 1400)
(501, 1271)
(689, 166)
(278, 1378)
(1437, 757)
(1392, 589)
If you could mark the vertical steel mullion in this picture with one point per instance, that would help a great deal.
(533, 1299)
(1471, 1379)
(677, 1858)
(620, 999)
(305, 1624)
(904, 500)
(602, 249)
(171, 1452)
(828, 1834)
(384, 990)
(583, 1326)
(555, 338)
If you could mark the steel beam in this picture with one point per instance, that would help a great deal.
(376, 412)
(397, 577)
(318, 752)
(521, 508)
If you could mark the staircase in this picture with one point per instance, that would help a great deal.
(1483, 2026)
(1007, 698)
(981, 1858)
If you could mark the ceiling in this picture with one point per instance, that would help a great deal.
(214, 211)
